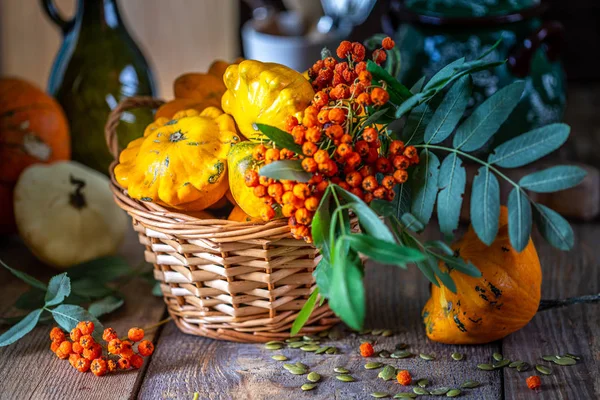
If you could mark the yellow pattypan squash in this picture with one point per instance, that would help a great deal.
(66, 214)
(264, 93)
(180, 163)
(503, 300)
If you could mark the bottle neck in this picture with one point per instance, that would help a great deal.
(104, 12)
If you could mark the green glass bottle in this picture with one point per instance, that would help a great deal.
(97, 66)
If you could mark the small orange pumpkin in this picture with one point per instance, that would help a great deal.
(207, 87)
(503, 300)
(169, 109)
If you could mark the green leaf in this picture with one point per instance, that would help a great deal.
(444, 277)
(444, 74)
(489, 51)
(101, 270)
(409, 104)
(554, 228)
(450, 111)
(59, 287)
(383, 252)
(20, 329)
(530, 146)
(553, 179)
(427, 268)
(460, 265)
(416, 88)
(374, 117)
(452, 181)
(397, 91)
(347, 293)
(105, 305)
(156, 290)
(383, 207)
(30, 300)
(368, 219)
(485, 205)
(488, 117)
(414, 130)
(411, 222)
(440, 245)
(305, 312)
(402, 201)
(28, 279)
(321, 224)
(424, 186)
(282, 139)
(286, 169)
(322, 274)
(69, 315)
(519, 219)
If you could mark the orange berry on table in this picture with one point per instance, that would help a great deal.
(344, 149)
(73, 359)
(379, 96)
(410, 151)
(77, 348)
(312, 203)
(111, 365)
(370, 134)
(309, 165)
(86, 327)
(259, 152)
(388, 182)
(309, 149)
(251, 178)
(145, 348)
(94, 352)
(401, 162)
(272, 155)
(387, 43)
(400, 176)
(126, 349)
(396, 147)
(265, 181)
(313, 134)
(323, 116)
(404, 378)
(379, 56)
(115, 346)
(353, 159)
(369, 183)
(54, 346)
(290, 122)
(57, 335)
(109, 334)
(64, 350)
(358, 192)
(364, 99)
(344, 49)
(288, 210)
(533, 382)
(303, 216)
(301, 191)
(366, 350)
(267, 213)
(320, 99)
(86, 341)
(123, 363)
(354, 179)
(82, 364)
(383, 165)
(275, 190)
(99, 367)
(136, 361)
(298, 134)
(259, 191)
(337, 115)
(380, 192)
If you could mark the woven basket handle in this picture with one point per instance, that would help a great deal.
(129, 103)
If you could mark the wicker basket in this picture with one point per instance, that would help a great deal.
(244, 282)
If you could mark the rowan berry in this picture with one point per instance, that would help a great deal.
(375, 144)
(379, 96)
(251, 178)
(303, 216)
(533, 382)
(353, 159)
(362, 148)
(266, 200)
(136, 361)
(334, 131)
(320, 99)
(366, 349)
(344, 49)
(366, 171)
(337, 115)
(388, 182)
(323, 116)
(363, 99)
(380, 192)
(368, 197)
(322, 186)
(288, 186)
(298, 134)
(396, 147)
(379, 56)
(272, 155)
(275, 190)
(312, 203)
(344, 149)
(82, 364)
(111, 365)
(99, 367)
(267, 213)
(346, 139)
(286, 154)
(414, 160)
(349, 76)
(401, 162)
(123, 363)
(54, 346)
(64, 350)
(316, 178)
(301, 231)
(109, 334)
(301, 191)
(310, 117)
(354, 179)
(369, 183)
(287, 210)
(264, 180)
(321, 156)
(324, 76)
(329, 62)
(356, 89)
(115, 346)
(57, 335)
(259, 191)
(404, 378)
(410, 151)
(370, 134)
(372, 156)
(86, 327)
(358, 192)
(313, 134)
(387, 43)
(258, 153)
(86, 341)
(309, 149)
(358, 52)
(309, 165)
(383, 165)
(77, 348)
(288, 197)
(290, 122)
(73, 359)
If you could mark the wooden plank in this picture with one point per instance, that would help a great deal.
(573, 329)
(28, 368)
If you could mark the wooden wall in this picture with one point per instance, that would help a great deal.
(176, 36)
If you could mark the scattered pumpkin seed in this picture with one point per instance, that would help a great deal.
(523, 367)
(345, 378)
(380, 395)
(364, 332)
(313, 377)
(332, 350)
(322, 350)
(309, 347)
(423, 382)
(376, 332)
(275, 342)
(310, 337)
(373, 365)
(387, 332)
(470, 385)
(439, 391)
(501, 363)
(296, 345)
(457, 356)
(573, 356)
(453, 393)
(273, 346)
(312, 342)
(297, 370)
(426, 357)
(293, 339)
(485, 367)
(279, 357)
(401, 346)
(308, 386)
(549, 358)
(300, 365)
(384, 354)
(405, 395)
(515, 364)
(542, 369)
(387, 373)
(288, 366)
(340, 370)
(420, 391)
(565, 361)
(497, 356)
(401, 354)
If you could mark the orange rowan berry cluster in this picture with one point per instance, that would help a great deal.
(337, 147)
(85, 354)
(404, 378)
(366, 349)
(534, 382)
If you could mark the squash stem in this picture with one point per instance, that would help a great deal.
(558, 303)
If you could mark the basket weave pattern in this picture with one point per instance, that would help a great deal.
(238, 281)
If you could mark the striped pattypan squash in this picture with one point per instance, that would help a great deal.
(503, 300)
(264, 93)
(180, 163)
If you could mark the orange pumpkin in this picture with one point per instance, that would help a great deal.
(208, 87)
(503, 300)
(169, 109)
(33, 129)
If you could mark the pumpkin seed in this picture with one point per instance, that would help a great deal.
(332, 350)
(364, 332)
(573, 356)
(387, 373)
(501, 363)
(497, 356)
(401, 354)
(297, 370)
(288, 366)
(324, 333)
(293, 339)
(439, 392)
(313, 377)
(308, 386)
(273, 346)
(515, 364)
(279, 357)
(565, 361)
(373, 365)
(345, 378)
(453, 393)
(296, 345)
(312, 342)
(275, 342)
(380, 395)
(405, 395)
(423, 382)
(401, 346)
(309, 347)
(426, 357)
(340, 370)
(310, 337)
(420, 391)
(549, 358)
(377, 332)
(542, 369)
(387, 332)
(300, 365)
(470, 385)
(384, 354)
(523, 367)
(457, 356)
(322, 350)
(485, 367)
